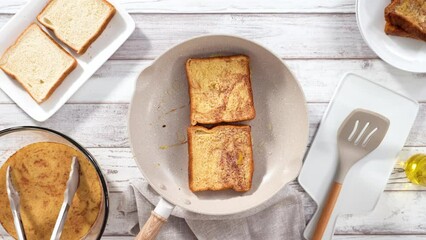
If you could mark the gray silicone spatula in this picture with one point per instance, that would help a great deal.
(360, 133)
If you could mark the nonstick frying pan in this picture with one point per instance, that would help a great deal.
(159, 117)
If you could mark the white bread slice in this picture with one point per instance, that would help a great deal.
(37, 62)
(77, 23)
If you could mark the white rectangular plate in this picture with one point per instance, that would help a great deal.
(115, 34)
(367, 179)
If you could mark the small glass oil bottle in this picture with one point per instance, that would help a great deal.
(415, 169)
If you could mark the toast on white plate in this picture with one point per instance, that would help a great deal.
(37, 62)
(77, 23)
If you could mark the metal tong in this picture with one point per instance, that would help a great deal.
(71, 188)
(15, 203)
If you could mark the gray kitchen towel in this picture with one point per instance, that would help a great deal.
(281, 217)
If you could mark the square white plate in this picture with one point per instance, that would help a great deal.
(403, 53)
(115, 34)
(367, 179)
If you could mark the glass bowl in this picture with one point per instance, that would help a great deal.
(15, 138)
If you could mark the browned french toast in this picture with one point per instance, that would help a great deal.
(406, 18)
(397, 31)
(220, 89)
(220, 158)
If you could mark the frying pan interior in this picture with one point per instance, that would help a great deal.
(159, 117)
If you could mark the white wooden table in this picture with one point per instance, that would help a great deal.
(318, 39)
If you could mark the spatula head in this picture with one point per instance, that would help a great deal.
(360, 133)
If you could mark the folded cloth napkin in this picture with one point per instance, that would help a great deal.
(281, 217)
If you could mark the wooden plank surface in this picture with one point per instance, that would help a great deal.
(103, 237)
(380, 237)
(92, 125)
(87, 123)
(320, 42)
(337, 237)
(119, 167)
(393, 214)
(318, 79)
(312, 35)
(288, 35)
(218, 6)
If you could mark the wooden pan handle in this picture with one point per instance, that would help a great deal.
(151, 228)
(327, 210)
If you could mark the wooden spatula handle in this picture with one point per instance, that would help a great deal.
(152, 227)
(327, 210)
